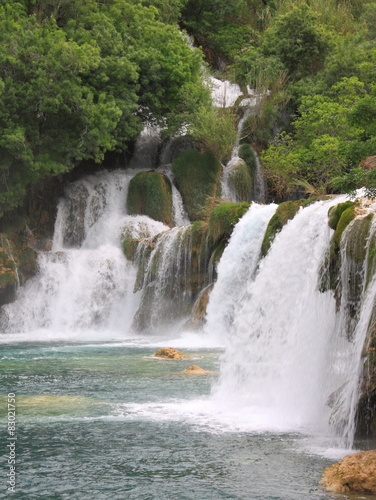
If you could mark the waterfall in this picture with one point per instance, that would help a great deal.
(236, 267)
(287, 351)
(259, 191)
(85, 282)
(165, 264)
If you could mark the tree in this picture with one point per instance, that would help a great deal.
(298, 40)
(78, 78)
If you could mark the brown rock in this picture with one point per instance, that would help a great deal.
(353, 474)
(195, 370)
(368, 163)
(169, 353)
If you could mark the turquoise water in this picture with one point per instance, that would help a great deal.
(109, 421)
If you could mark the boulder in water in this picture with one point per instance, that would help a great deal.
(195, 370)
(169, 353)
(353, 474)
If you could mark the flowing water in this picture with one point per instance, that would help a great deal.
(99, 416)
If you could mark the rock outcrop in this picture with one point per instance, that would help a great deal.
(353, 474)
(150, 193)
(195, 370)
(170, 353)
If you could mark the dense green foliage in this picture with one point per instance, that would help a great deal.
(313, 64)
(78, 78)
(150, 193)
(197, 177)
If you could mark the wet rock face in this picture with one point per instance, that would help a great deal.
(18, 262)
(354, 474)
(366, 414)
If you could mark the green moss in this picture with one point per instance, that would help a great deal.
(357, 237)
(345, 218)
(224, 217)
(197, 176)
(241, 180)
(150, 194)
(371, 264)
(130, 246)
(335, 212)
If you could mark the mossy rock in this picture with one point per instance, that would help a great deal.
(346, 216)
(223, 218)
(241, 181)
(335, 213)
(197, 177)
(150, 193)
(130, 246)
(285, 212)
(357, 237)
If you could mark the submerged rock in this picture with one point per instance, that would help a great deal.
(353, 474)
(169, 353)
(195, 370)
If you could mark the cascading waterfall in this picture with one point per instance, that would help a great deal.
(166, 270)
(85, 282)
(287, 352)
(259, 191)
(236, 267)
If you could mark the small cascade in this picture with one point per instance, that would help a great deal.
(287, 348)
(179, 212)
(228, 191)
(165, 264)
(225, 94)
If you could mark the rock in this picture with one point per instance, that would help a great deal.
(197, 176)
(169, 353)
(195, 370)
(353, 474)
(199, 308)
(150, 194)
(368, 163)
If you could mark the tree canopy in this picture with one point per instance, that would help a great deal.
(77, 79)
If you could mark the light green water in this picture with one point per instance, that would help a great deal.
(109, 421)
